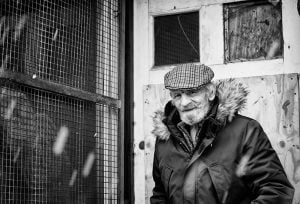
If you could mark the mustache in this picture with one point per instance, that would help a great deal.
(187, 108)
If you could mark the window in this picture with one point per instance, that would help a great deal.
(176, 39)
(59, 101)
(253, 31)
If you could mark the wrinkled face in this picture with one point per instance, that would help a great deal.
(192, 106)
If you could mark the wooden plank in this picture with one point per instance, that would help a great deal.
(211, 34)
(292, 159)
(140, 76)
(155, 97)
(273, 101)
(158, 6)
(291, 32)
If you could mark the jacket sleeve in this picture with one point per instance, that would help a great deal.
(265, 175)
(159, 195)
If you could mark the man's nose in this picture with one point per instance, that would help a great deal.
(185, 100)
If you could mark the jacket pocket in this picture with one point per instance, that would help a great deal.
(165, 178)
(205, 189)
(221, 180)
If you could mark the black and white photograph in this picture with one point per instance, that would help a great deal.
(149, 101)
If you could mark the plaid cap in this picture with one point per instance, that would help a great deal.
(188, 76)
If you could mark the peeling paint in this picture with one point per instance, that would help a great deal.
(285, 106)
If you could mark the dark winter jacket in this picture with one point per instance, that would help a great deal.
(234, 161)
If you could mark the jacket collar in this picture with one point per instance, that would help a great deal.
(230, 99)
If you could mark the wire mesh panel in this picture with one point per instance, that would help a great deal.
(107, 126)
(60, 41)
(107, 36)
(58, 148)
(176, 39)
(50, 40)
(33, 122)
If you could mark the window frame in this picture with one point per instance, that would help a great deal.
(152, 38)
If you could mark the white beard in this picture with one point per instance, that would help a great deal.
(194, 116)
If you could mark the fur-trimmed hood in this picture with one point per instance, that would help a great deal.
(232, 97)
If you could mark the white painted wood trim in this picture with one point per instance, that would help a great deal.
(158, 7)
(211, 34)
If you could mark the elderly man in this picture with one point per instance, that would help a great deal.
(206, 152)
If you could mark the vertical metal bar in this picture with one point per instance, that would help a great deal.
(99, 89)
(111, 136)
(121, 93)
(100, 46)
(105, 47)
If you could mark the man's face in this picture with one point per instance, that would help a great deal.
(192, 106)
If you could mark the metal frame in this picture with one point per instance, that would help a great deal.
(99, 98)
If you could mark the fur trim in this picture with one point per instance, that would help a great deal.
(160, 129)
(232, 99)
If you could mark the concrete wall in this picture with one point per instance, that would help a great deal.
(211, 49)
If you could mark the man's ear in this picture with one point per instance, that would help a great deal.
(211, 91)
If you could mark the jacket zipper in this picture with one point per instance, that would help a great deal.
(193, 158)
(184, 147)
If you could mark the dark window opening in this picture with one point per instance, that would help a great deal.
(176, 39)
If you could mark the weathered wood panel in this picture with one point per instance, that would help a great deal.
(291, 33)
(273, 101)
(253, 30)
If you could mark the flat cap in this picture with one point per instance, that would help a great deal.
(188, 76)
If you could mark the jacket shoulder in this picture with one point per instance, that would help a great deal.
(239, 121)
(250, 122)
(244, 120)
(240, 125)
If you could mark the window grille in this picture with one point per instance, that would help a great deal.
(60, 101)
(176, 39)
(253, 31)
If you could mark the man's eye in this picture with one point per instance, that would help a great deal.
(190, 93)
(175, 95)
